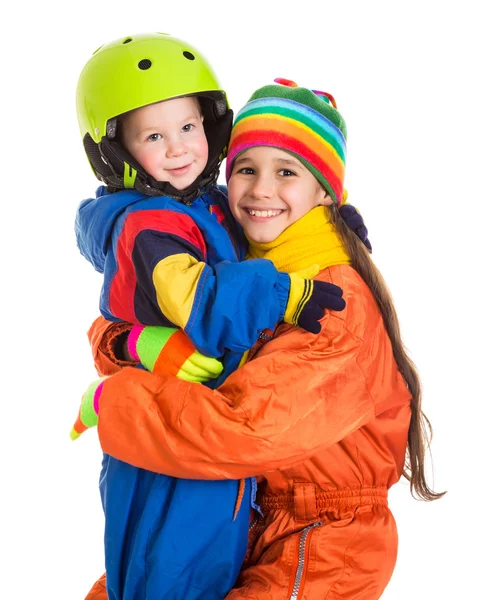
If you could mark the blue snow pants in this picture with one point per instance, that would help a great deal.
(171, 539)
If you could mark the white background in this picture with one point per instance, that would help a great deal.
(403, 74)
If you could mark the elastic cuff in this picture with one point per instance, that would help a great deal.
(110, 340)
(282, 287)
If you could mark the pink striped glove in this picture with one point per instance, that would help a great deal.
(89, 409)
(169, 351)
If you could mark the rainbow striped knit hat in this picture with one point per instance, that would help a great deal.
(304, 122)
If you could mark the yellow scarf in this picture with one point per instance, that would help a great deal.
(310, 240)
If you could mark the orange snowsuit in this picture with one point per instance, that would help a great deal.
(323, 417)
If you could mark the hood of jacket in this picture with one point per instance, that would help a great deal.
(95, 220)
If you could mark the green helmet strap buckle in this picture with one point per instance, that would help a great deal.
(129, 176)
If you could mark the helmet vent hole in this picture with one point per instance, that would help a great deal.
(189, 55)
(127, 40)
(144, 64)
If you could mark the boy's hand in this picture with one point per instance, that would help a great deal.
(169, 351)
(308, 299)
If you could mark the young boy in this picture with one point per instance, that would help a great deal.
(155, 126)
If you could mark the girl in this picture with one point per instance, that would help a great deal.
(332, 421)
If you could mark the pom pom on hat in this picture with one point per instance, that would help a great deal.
(304, 122)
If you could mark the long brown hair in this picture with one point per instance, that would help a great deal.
(420, 430)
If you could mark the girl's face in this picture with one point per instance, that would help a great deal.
(168, 140)
(270, 189)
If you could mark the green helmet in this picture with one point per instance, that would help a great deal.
(136, 71)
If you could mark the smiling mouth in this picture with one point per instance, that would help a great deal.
(179, 170)
(263, 214)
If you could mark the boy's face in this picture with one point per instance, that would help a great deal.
(168, 140)
(270, 189)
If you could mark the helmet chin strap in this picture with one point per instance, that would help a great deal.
(186, 196)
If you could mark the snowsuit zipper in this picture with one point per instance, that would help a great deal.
(263, 339)
(304, 539)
